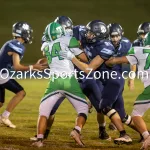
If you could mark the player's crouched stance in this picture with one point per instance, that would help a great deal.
(10, 55)
(61, 87)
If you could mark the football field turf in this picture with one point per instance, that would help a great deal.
(25, 118)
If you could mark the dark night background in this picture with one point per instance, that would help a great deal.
(38, 13)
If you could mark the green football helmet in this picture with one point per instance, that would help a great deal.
(147, 39)
(53, 31)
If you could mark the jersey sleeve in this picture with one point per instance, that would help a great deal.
(105, 51)
(131, 57)
(17, 48)
(73, 43)
(76, 51)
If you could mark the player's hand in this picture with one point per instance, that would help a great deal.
(39, 67)
(131, 84)
(66, 54)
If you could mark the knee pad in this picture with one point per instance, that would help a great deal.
(83, 115)
(108, 111)
(127, 120)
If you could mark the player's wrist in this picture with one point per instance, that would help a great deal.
(31, 67)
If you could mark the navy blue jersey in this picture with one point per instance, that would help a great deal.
(6, 61)
(137, 42)
(121, 50)
(103, 48)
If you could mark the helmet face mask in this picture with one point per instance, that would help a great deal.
(22, 30)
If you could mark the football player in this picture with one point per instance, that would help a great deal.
(122, 46)
(101, 50)
(67, 26)
(139, 56)
(11, 54)
(61, 87)
(143, 29)
(90, 86)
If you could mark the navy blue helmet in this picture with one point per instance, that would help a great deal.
(66, 23)
(143, 28)
(115, 29)
(98, 29)
(23, 30)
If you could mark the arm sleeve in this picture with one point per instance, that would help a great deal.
(76, 51)
(132, 59)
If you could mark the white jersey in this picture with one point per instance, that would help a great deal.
(140, 56)
(58, 65)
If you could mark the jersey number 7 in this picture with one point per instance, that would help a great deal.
(147, 65)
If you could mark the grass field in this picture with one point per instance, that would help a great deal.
(25, 118)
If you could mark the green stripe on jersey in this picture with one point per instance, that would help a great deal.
(73, 43)
(145, 95)
(131, 51)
